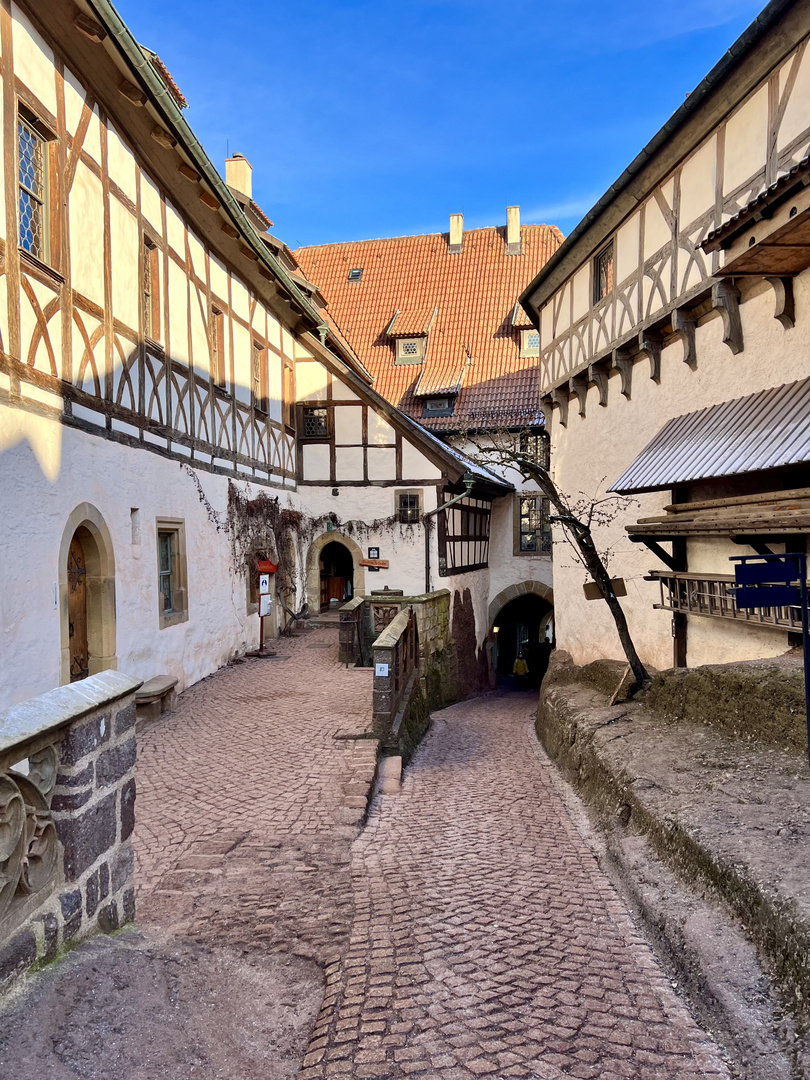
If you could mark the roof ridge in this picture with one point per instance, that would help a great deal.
(423, 236)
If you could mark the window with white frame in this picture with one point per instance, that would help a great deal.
(409, 506)
(529, 342)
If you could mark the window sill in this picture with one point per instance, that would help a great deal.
(174, 619)
(38, 264)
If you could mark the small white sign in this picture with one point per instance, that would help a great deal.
(382, 670)
(264, 583)
(265, 603)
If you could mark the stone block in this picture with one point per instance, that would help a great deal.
(125, 720)
(71, 905)
(76, 780)
(108, 918)
(115, 763)
(86, 836)
(127, 809)
(122, 869)
(50, 926)
(97, 888)
(19, 954)
(83, 739)
(70, 800)
(128, 906)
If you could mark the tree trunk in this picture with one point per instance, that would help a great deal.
(580, 532)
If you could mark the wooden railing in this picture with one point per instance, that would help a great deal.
(700, 594)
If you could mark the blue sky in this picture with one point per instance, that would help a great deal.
(367, 118)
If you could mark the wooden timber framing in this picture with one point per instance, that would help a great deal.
(680, 190)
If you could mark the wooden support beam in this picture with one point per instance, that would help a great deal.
(599, 377)
(89, 27)
(190, 174)
(623, 363)
(578, 385)
(649, 343)
(229, 230)
(132, 93)
(559, 396)
(785, 312)
(657, 550)
(726, 300)
(163, 138)
(683, 324)
(209, 200)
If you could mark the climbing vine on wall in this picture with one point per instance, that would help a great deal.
(258, 527)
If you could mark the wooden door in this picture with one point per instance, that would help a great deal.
(77, 611)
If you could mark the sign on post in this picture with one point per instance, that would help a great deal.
(772, 581)
(265, 603)
(264, 584)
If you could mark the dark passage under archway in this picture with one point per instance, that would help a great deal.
(524, 627)
(337, 573)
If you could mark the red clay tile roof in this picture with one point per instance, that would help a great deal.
(475, 293)
(439, 381)
(163, 71)
(412, 322)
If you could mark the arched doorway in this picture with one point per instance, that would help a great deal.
(87, 594)
(523, 627)
(336, 574)
(314, 564)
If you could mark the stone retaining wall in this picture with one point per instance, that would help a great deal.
(67, 812)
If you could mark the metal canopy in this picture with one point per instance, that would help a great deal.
(765, 430)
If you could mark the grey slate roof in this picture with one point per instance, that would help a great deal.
(765, 430)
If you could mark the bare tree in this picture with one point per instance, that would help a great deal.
(505, 448)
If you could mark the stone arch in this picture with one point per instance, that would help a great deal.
(536, 588)
(87, 523)
(313, 566)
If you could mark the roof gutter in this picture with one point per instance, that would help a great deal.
(121, 34)
(766, 19)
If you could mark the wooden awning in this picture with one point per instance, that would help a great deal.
(771, 515)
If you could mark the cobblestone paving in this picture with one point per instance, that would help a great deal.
(247, 805)
(486, 941)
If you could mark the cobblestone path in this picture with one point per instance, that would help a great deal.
(247, 805)
(486, 941)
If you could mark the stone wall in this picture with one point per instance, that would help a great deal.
(67, 811)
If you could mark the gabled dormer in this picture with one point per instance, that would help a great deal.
(408, 331)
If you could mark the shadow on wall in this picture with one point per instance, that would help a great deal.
(469, 665)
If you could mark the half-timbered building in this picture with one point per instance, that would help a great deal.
(674, 328)
(435, 320)
(166, 371)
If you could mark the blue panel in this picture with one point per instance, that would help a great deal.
(755, 573)
(769, 596)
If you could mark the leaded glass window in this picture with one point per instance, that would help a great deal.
(32, 180)
(535, 529)
(316, 424)
(603, 273)
(165, 542)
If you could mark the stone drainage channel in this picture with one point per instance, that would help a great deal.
(465, 930)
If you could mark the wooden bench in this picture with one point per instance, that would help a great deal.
(155, 698)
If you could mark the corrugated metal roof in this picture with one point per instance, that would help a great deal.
(762, 431)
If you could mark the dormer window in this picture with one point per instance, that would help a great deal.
(438, 406)
(529, 342)
(356, 273)
(410, 350)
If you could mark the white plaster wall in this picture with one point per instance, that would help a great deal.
(114, 478)
(591, 453)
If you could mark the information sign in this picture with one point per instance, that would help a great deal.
(381, 670)
(265, 603)
(264, 584)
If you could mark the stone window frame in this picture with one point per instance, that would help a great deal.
(176, 527)
(408, 491)
(544, 533)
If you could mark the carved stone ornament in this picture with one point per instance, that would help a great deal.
(383, 615)
(29, 846)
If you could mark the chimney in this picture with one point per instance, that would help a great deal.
(456, 234)
(239, 175)
(513, 230)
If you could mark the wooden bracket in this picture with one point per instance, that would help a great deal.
(669, 560)
(547, 407)
(623, 363)
(209, 200)
(683, 324)
(163, 138)
(188, 172)
(229, 230)
(559, 395)
(650, 344)
(726, 300)
(783, 295)
(599, 377)
(132, 93)
(89, 27)
(578, 384)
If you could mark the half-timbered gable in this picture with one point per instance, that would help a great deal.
(681, 292)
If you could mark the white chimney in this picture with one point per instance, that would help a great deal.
(456, 233)
(239, 175)
(513, 230)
